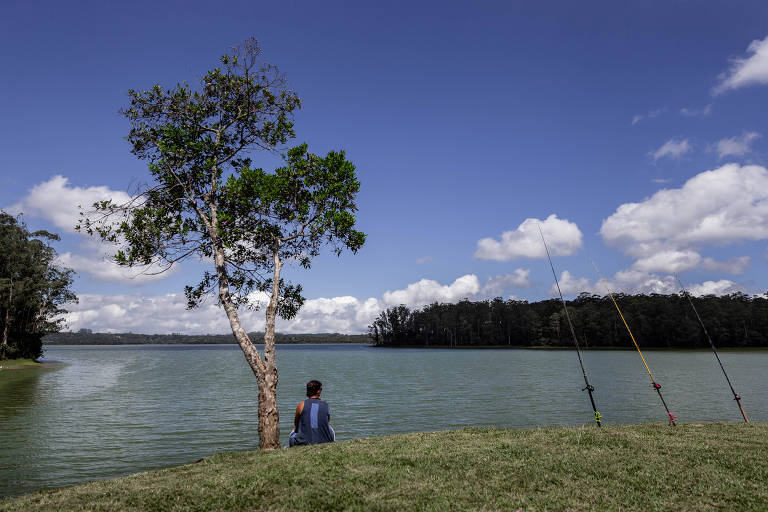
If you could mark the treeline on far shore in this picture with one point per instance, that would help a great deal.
(86, 337)
(657, 321)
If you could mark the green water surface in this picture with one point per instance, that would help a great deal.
(108, 411)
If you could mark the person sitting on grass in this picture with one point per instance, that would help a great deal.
(311, 420)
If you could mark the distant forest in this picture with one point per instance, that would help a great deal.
(86, 337)
(657, 321)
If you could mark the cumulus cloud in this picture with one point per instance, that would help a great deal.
(669, 261)
(674, 261)
(162, 314)
(57, 201)
(571, 285)
(721, 287)
(563, 238)
(720, 206)
(634, 281)
(103, 268)
(666, 232)
(649, 115)
(425, 259)
(696, 112)
(673, 148)
(745, 71)
(347, 315)
(168, 313)
(427, 291)
(496, 285)
(60, 203)
(626, 281)
(738, 145)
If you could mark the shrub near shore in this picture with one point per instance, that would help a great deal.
(641, 467)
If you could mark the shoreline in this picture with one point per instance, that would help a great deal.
(435, 347)
(20, 364)
(566, 347)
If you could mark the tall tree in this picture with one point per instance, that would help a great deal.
(32, 289)
(208, 202)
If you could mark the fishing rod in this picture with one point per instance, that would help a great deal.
(655, 384)
(588, 387)
(711, 344)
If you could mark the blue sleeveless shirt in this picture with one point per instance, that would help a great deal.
(313, 424)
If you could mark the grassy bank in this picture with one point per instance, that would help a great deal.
(644, 467)
(19, 364)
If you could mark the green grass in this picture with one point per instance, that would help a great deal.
(19, 364)
(692, 467)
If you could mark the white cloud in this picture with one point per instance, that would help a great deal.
(738, 145)
(427, 291)
(696, 112)
(721, 287)
(338, 314)
(721, 206)
(425, 259)
(563, 238)
(669, 261)
(104, 269)
(635, 281)
(55, 200)
(673, 261)
(745, 71)
(673, 148)
(166, 314)
(649, 115)
(132, 313)
(571, 285)
(58, 202)
(732, 266)
(496, 285)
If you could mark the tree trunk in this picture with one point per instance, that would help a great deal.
(264, 370)
(4, 346)
(269, 417)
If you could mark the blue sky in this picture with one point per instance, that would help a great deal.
(634, 135)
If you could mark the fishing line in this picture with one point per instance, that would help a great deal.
(655, 384)
(711, 344)
(588, 387)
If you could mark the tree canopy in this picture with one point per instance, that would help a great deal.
(209, 202)
(32, 289)
(657, 321)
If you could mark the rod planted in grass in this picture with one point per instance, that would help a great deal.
(736, 396)
(588, 387)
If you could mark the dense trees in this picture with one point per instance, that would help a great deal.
(659, 321)
(86, 337)
(209, 203)
(32, 289)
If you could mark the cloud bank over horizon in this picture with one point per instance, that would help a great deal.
(346, 314)
(166, 314)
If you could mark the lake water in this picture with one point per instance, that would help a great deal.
(109, 411)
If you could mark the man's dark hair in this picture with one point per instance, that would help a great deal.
(314, 387)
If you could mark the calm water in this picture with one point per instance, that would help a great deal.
(112, 411)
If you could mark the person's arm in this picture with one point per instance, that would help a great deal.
(297, 416)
